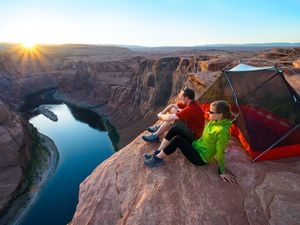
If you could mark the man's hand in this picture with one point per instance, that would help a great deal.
(228, 178)
(163, 117)
(159, 115)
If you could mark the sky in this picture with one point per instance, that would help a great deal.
(150, 22)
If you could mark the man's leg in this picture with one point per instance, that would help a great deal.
(174, 131)
(173, 110)
(184, 131)
(154, 137)
(165, 126)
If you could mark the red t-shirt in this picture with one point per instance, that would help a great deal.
(193, 117)
(180, 105)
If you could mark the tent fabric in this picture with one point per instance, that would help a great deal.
(268, 109)
(244, 67)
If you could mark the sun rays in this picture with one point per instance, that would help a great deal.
(29, 44)
(30, 57)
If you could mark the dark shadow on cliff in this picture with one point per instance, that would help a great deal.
(95, 121)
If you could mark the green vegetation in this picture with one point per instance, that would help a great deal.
(34, 177)
(38, 156)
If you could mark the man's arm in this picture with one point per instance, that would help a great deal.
(168, 117)
(168, 108)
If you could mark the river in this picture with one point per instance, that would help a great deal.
(83, 142)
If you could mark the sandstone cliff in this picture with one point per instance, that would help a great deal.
(15, 153)
(130, 91)
(123, 191)
(129, 88)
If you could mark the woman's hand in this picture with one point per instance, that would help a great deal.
(228, 178)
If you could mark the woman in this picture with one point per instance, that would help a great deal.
(210, 146)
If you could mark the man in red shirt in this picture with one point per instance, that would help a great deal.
(189, 122)
(164, 126)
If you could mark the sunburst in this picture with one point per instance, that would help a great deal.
(29, 56)
(29, 45)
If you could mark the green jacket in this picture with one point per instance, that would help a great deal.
(214, 141)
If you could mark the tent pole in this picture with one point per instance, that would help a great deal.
(260, 85)
(235, 96)
(283, 137)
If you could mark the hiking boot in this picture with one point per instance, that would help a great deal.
(153, 129)
(151, 138)
(148, 156)
(154, 162)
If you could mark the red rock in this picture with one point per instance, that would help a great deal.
(14, 152)
(131, 88)
(296, 63)
(214, 65)
(123, 191)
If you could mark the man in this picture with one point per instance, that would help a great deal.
(164, 126)
(189, 120)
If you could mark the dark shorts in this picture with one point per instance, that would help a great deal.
(185, 131)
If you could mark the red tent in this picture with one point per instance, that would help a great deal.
(267, 110)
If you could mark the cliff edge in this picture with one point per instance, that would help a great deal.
(123, 191)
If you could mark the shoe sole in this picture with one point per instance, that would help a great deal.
(147, 156)
(155, 141)
(151, 131)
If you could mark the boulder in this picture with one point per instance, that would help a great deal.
(214, 65)
(296, 63)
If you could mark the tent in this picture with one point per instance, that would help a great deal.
(266, 108)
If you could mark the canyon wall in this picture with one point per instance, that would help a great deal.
(126, 87)
(15, 153)
(123, 191)
(130, 91)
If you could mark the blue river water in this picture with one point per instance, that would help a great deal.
(82, 146)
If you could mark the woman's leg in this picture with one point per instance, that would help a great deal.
(186, 148)
(171, 133)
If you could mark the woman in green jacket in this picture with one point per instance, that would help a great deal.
(210, 146)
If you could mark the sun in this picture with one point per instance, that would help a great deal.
(29, 44)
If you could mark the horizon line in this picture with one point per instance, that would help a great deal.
(157, 46)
